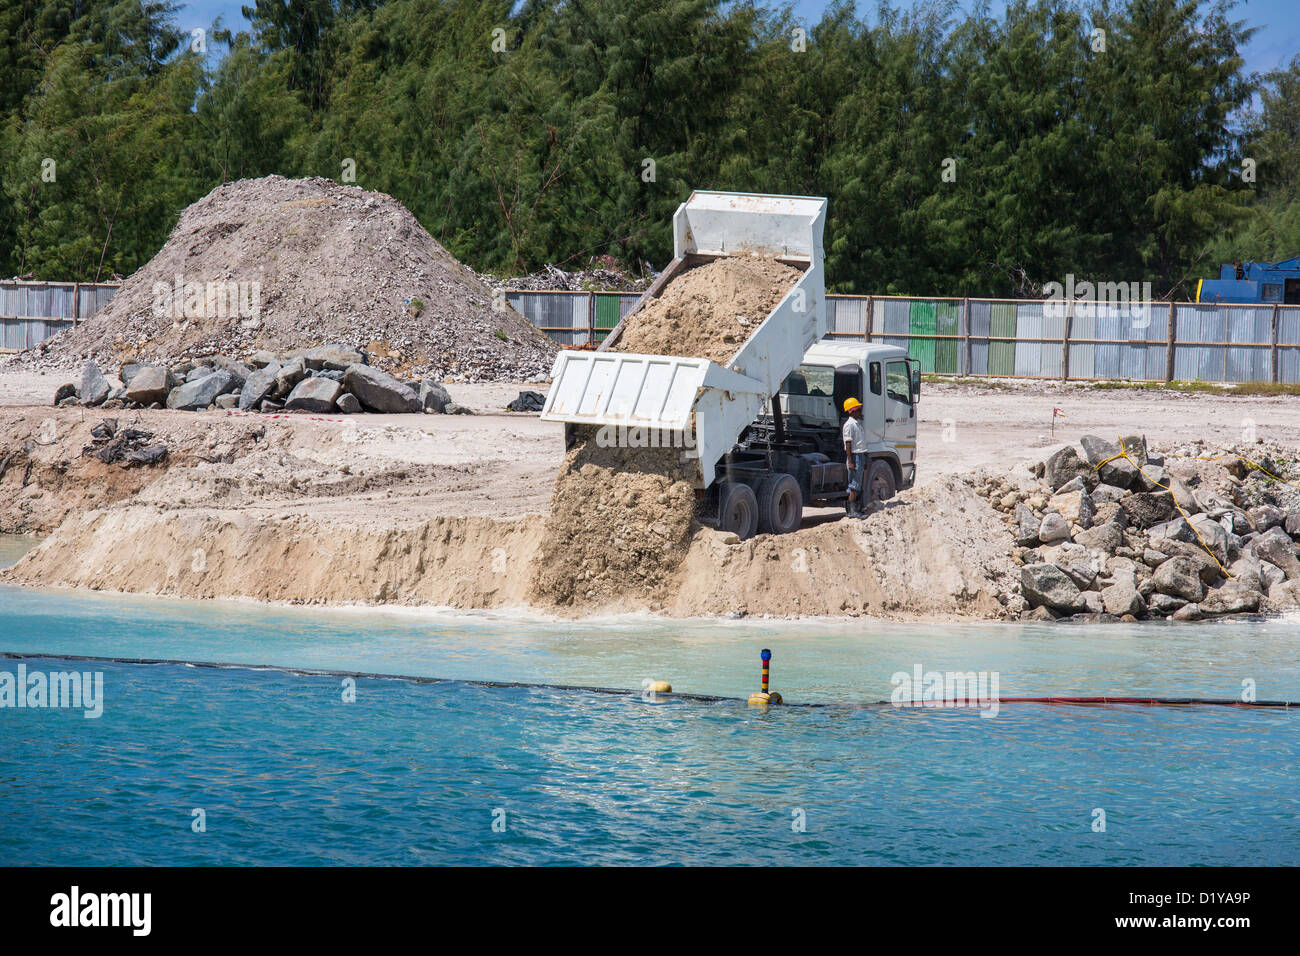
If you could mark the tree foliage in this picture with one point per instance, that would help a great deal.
(971, 154)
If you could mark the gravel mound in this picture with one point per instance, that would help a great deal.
(285, 264)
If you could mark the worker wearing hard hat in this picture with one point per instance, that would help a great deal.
(855, 454)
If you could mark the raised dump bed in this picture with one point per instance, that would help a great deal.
(692, 402)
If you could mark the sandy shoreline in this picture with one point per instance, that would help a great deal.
(447, 511)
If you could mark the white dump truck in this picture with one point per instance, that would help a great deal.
(763, 431)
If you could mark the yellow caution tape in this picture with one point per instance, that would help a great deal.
(1123, 453)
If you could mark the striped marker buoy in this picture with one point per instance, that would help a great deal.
(764, 697)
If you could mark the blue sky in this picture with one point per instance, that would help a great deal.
(1277, 40)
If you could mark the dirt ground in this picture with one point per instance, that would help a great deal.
(449, 509)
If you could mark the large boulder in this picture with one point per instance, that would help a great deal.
(259, 385)
(1151, 478)
(1284, 595)
(333, 357)
(238, 370)
(1104, 493)
(1184, 496)
(1207, 566)
(1074, 506)
(433, 397)
(1103, 456)
(288, 377)
(1026, 527)
(1263, 517)
(1135, 446)
(1175, 530)
(1053, 528)
(1146, 509)
(262, 358)
(94, 386)
(1078, 564)
(380, 392)
(1269, 575)
(149, 384)
(316, 394)
(193, 396)
(1066, 465)
(1230, 599)
(1276, 547)
(1179, 577)
(1047, 585)
(1212, 536)
(1122, 598)
(1248, 572)
(1104, 538)
(1164, 604)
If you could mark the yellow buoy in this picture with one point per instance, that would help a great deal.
(661, 687)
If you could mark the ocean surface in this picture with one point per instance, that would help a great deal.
(238, 765)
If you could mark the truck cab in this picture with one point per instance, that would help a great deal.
(792, 456)
(882, 377)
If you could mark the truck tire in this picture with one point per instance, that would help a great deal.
(737, 509)
(880, 482)
(780, 504)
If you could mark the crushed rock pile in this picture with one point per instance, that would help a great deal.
(709, 310)
(286, 264)
(1190, 533)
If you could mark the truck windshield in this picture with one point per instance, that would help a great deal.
(808, 393)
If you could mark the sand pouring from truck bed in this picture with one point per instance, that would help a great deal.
(622, 519)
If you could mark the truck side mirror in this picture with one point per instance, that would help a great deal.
(916, 384)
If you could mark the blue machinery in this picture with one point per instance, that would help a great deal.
(1253, 282)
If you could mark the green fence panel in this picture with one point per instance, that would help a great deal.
(607, 314)
(947, 322)
(921, 321)
(1002, 355)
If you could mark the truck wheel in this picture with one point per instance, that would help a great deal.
(780, 504)
(737, 509)
(880, 482)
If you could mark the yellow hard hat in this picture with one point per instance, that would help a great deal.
(851, 403)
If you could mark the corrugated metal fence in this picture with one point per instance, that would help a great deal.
(33, 311)
(1018, 338)
(1022, 338)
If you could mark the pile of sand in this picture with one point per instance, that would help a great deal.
(326, 264)
(620, 523)
(709, 310)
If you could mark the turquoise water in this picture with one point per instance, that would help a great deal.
(410, 773)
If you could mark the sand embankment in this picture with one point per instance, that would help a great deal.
(912, 560)
(439, 510)
(469, 562)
